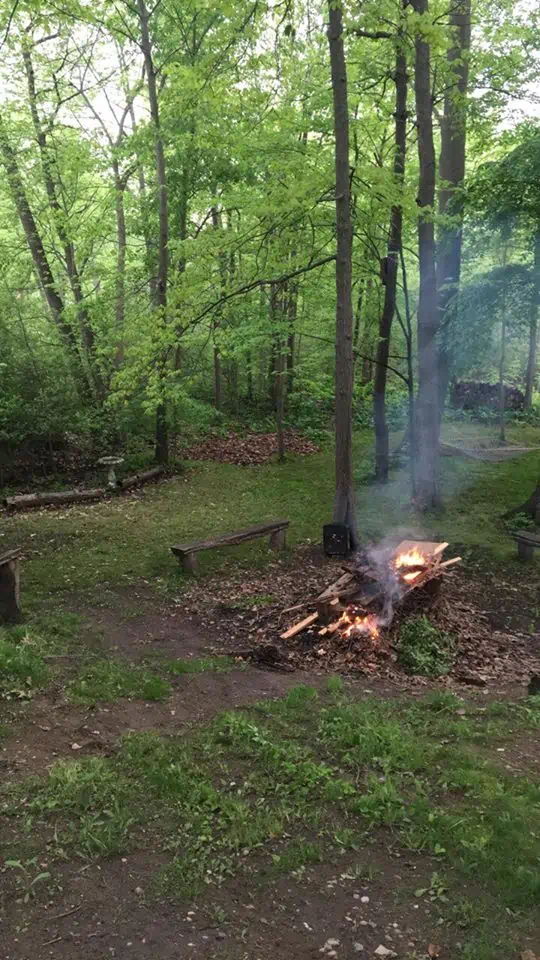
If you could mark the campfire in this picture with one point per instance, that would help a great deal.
(361, 604)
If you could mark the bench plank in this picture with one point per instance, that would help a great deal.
(186, 552)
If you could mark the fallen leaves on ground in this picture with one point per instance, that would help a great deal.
(247, 612)
(247, 450)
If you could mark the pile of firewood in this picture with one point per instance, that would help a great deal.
(373, 583)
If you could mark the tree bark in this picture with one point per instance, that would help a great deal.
(533, 326)
(217, 316)
(451, 173)
(160, 294)
(37, 250)
(59, 216)
(392, 261)
(344, 504)
(427, 404)
(121, 237)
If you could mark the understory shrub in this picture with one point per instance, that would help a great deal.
(424, 649)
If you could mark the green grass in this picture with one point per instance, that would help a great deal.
(110, 680)
(293, 782)
(201, 665)
(22, 667)
(124, 541)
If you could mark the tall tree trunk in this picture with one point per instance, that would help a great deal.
(292, 308)
(392, 262)
(278, 309)
(452, 172)
(344, 504)
(70, 259)
(160, 296)
(38, 253)
(427, 405)
(217, 316)
(533, 326)
(121, 237)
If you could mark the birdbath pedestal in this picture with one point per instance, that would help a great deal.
(111, 463)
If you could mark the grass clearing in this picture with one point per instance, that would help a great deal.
(294, 781)
(118, 543)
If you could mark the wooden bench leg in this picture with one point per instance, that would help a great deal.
(189, 563)
(10, 611)
(278, 539)
(525, 551)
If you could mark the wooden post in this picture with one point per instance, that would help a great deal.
(525, 551)
(189, 563)
(278, 539)
(10, 611)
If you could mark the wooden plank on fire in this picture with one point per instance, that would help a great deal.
(428, 548)
(335, 589)
(450, 563)
(298, 627)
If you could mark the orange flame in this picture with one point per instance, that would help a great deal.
(355, 624)
(412, 559)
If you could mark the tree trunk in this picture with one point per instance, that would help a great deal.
(70, 259)
(533, 326)
(217, 316)
(394, 246)
(452, 172)
(37, 250)
(278, 319)
(344, 504)
(121, 237)
(427, 404)
(160, 295)
(292, 308)
(502, 364)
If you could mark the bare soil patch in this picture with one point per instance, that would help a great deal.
(107, 909)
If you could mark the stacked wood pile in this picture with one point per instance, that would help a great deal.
(372, 586)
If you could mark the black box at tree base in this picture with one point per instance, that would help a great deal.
(336, 539)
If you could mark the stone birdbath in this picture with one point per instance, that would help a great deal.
(111, 463)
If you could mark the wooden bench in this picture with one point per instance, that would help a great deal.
(527, 543)
(10, 611)
(186, 552)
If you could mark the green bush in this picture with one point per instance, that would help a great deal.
(424, 649)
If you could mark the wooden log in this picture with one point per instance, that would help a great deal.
(335, 588)
(298, 627)
(440, 549)
(449, 563)
(139, 479)
(10, 609)
(27, 500)
(327, 609)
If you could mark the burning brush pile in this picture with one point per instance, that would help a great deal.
(357, 610)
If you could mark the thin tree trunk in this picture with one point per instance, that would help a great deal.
(278, 311)
(217, 318)
(394, 246)
(502, 365)
(292, 308)
(37, 250)
(533, 326)
(249, 375)
(427, 405)
(121, 236)
(160, 296)
(451, 173)
(72, 270)
(344, 504)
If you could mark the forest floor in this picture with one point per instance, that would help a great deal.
(162, 797)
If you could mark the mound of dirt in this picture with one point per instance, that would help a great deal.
(248, 449)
